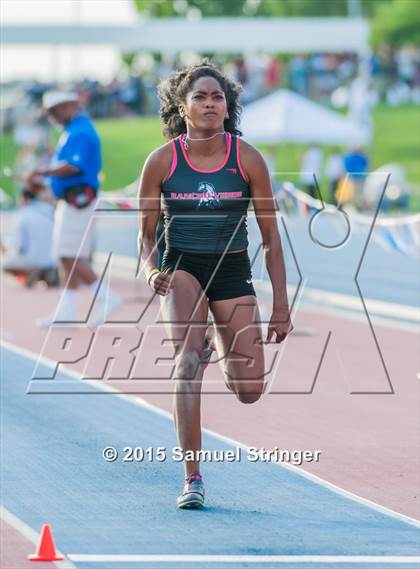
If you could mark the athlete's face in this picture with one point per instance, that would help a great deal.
(205, 106)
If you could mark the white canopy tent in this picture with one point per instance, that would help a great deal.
(284, 116)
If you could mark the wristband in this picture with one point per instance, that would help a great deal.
(152, 272)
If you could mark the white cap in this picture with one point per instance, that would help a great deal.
(53, 98)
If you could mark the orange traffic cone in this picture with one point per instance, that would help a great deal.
(46, 548)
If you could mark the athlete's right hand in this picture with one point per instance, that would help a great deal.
(161, 283)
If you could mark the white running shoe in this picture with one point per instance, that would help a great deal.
(192, 497)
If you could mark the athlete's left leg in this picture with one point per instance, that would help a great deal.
(239, 344)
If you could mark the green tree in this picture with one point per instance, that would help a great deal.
(128, 59)
(156, 8)
(397, 23)
(267, 8)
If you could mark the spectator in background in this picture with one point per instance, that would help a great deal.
(32, 241)
(356, 164)
(298, 70)
(398, 190)
(273, 73)
(241, 71)
(74, 176)
(132, 94)
(311, 170)
(116, 105)
(334, 169)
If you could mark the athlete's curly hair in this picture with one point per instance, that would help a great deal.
(173, 91)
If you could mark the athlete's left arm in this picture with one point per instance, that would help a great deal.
(265, 210)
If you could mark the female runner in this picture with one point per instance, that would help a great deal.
(207, 176)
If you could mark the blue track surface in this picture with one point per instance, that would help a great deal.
(53, 472)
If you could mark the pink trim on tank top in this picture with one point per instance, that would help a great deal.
(173, 163)
(238, 160)
(229, 144)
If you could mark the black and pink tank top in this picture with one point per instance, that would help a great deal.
(205, 210)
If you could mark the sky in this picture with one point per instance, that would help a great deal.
(62, 63)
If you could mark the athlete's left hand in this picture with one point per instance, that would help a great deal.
(280, 325)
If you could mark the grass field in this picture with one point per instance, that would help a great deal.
(127, 142)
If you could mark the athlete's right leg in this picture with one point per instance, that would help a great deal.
(185, 311)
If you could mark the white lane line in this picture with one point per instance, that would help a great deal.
(361, 317)
(146, 405)
(31, 535)
(243, 558)
(347, 302)
(354, 303)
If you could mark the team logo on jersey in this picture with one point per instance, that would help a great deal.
(208, 195)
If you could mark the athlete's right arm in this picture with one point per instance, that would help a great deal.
(154, 171)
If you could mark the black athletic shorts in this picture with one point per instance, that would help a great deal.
(231, 279)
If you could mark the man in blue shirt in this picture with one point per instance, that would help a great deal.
(77, 158)
(74, 180)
